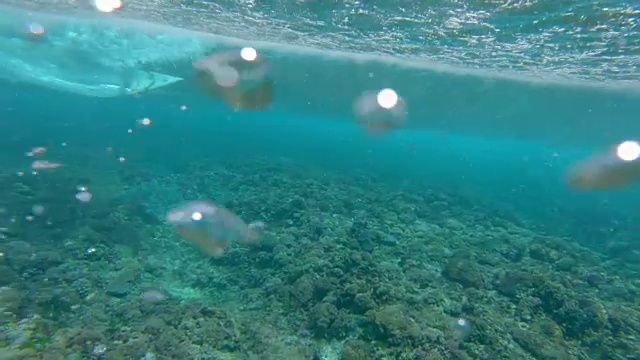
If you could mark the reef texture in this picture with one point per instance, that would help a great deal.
(349, 268)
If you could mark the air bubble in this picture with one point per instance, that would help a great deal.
(239, 78)
(84, 196)
(107, 6)
(37, 210)
(35, 31)
(381, 111)
(144, 122)
(617, 167)
(460, 329)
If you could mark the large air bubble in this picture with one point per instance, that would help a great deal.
(239, 77)
(381, 111)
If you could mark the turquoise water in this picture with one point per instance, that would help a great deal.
(375, 245)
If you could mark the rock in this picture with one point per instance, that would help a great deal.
(118, 289)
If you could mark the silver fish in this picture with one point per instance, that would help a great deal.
(211, 227)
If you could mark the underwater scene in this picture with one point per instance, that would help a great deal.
(319, 180)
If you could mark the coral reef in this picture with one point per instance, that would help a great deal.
(348, 268)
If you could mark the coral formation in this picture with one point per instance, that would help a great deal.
(349, 268)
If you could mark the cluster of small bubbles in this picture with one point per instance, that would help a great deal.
(381, 111)
(239, 78)
(107, 6)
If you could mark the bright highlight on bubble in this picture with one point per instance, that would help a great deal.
(628, 150)
(387, 98)
(108, 6)
(35, 31)
(381, 111)
(144, 122)
(37, 210)
(84, 196)
(249, 54)
(615, 168)
(239, 77)
(211, 228)
(461, 329)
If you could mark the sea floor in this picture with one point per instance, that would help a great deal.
(348, 268)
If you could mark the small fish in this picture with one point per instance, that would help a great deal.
(154, 296)
(37, 151)
(212, 228)
(616, 168)
(44, 165)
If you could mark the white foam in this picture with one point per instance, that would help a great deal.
(119, 22)
(323, 83)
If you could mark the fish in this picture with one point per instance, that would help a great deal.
(212, 228)
(154, 296)
(44, 165)
(617, 167)
(37, 151)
